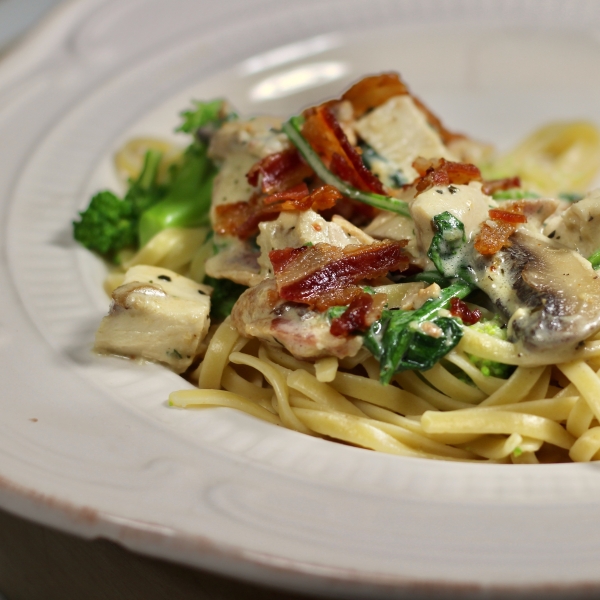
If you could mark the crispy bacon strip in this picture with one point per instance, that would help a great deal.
(497, 185)
(458, 308)
(362, 312)
(366, 178)
(495, 236)
(440, 172)
(311, 275)
(279, 171)
(322, 198)
(327, 138)
(241, 219)
(507, 216)
(373, 91)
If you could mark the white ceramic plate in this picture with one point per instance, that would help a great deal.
(89, 445)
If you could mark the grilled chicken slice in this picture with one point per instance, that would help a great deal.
(156, 315)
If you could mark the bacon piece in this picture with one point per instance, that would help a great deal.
(292, 195)
(280, 259)
(440, 172)
(310, 276)
(458, 308)
(492, 238)
(327, 138)
(495, 236)
(363, 311)
(373, 91)
(364, 175)
(280, 171)
(322, 198)
(241, 219)
(497, 185)
(498, 214)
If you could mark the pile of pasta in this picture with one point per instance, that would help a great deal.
(545, 413)
(526, 418)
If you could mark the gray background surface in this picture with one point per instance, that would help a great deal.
(17, 16)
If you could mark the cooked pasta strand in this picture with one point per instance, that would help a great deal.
(372, 391)
(476, 421)
(486, 383)
(586, 381)
(277, 380)
(411, 382)
(517, 386)
(326, 369)
(321, 393)
(580, 418)
(495, 447)
(196, 398)
(587, 446)
(353, 430)
(217, 355)
(451, 386)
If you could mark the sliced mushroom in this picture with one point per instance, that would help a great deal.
(577, 227)
(549, 292)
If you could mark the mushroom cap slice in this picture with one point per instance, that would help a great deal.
(550, 293)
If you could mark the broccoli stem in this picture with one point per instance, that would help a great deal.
(188, 200)
(147, 177)
(292, 129)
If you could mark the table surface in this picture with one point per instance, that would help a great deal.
(37, 562)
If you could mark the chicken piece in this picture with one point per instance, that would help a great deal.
(258, 137)
(294, 229)
(237, 146)
(466, 202)
(157, 315)
(578, 226)
(391, 226)
(537, 211)
(230, 185)
(399, 132)
(302, 331)
(236, 260)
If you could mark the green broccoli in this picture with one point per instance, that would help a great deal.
(110, 224)
(224, 296)
(187, 201)
(204, 114)
(496, 328)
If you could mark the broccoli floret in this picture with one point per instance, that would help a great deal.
(205, 114)
(496, 328)
(106, 225)
(224, 296)
(110, 224)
